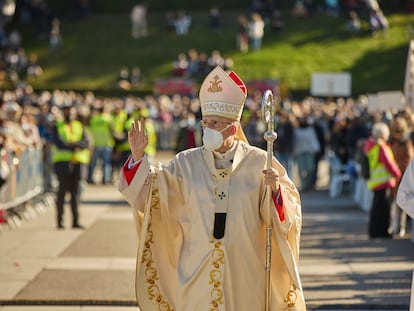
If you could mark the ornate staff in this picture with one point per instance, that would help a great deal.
(270, 136)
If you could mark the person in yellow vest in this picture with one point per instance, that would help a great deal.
(119, 117)
(100, 125)
(383, 175)
(70, 157)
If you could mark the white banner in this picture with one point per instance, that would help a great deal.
(331, 84)
(386, 101)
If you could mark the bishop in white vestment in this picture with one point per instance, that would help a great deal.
(202, 218)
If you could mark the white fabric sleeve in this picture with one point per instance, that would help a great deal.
(132, 163)
(405, 193)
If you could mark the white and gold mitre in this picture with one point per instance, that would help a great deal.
(222, 94)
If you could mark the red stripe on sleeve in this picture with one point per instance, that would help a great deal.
(129, 173)
(279, 205)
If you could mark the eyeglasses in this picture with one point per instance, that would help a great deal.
(213, 124)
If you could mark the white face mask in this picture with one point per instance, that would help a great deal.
(212, 139)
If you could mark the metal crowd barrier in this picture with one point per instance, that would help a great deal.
(25, 180)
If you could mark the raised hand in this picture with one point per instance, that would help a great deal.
(137, 138)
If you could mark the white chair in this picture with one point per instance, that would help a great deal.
(339, 176)
(366, 197)
(357, 193)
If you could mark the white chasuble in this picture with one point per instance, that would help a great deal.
(181, 266)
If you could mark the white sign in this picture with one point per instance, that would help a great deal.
(372, 103)
(386, 101)
(393, 100)
(331, 84)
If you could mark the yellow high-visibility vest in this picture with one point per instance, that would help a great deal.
(127, 126)
(72, 132)
(118, 121)
(119, 126)
(100, 127)
(378, 172)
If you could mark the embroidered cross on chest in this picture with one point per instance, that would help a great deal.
(223, 174)
(222, 195)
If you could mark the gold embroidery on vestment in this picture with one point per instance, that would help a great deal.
(221, 107)
(216, 276)
(290, 299)
(223, 174)
(222, 195)
(215, 85)
(151, 272)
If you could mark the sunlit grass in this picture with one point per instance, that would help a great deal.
(96, 48)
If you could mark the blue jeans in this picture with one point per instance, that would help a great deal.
(287, 162)
(104, 154)
(306, 169)
(256, 43)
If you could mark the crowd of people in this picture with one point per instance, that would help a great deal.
(78, 132)
(250, 28)
(195, 64)
(128, 79)
(308, 131)
(15, 63)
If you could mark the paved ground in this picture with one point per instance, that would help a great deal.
(42, 268)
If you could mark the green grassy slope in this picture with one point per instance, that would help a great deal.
(95, 48)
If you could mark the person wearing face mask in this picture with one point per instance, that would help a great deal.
(201, 219)
(70, 157)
